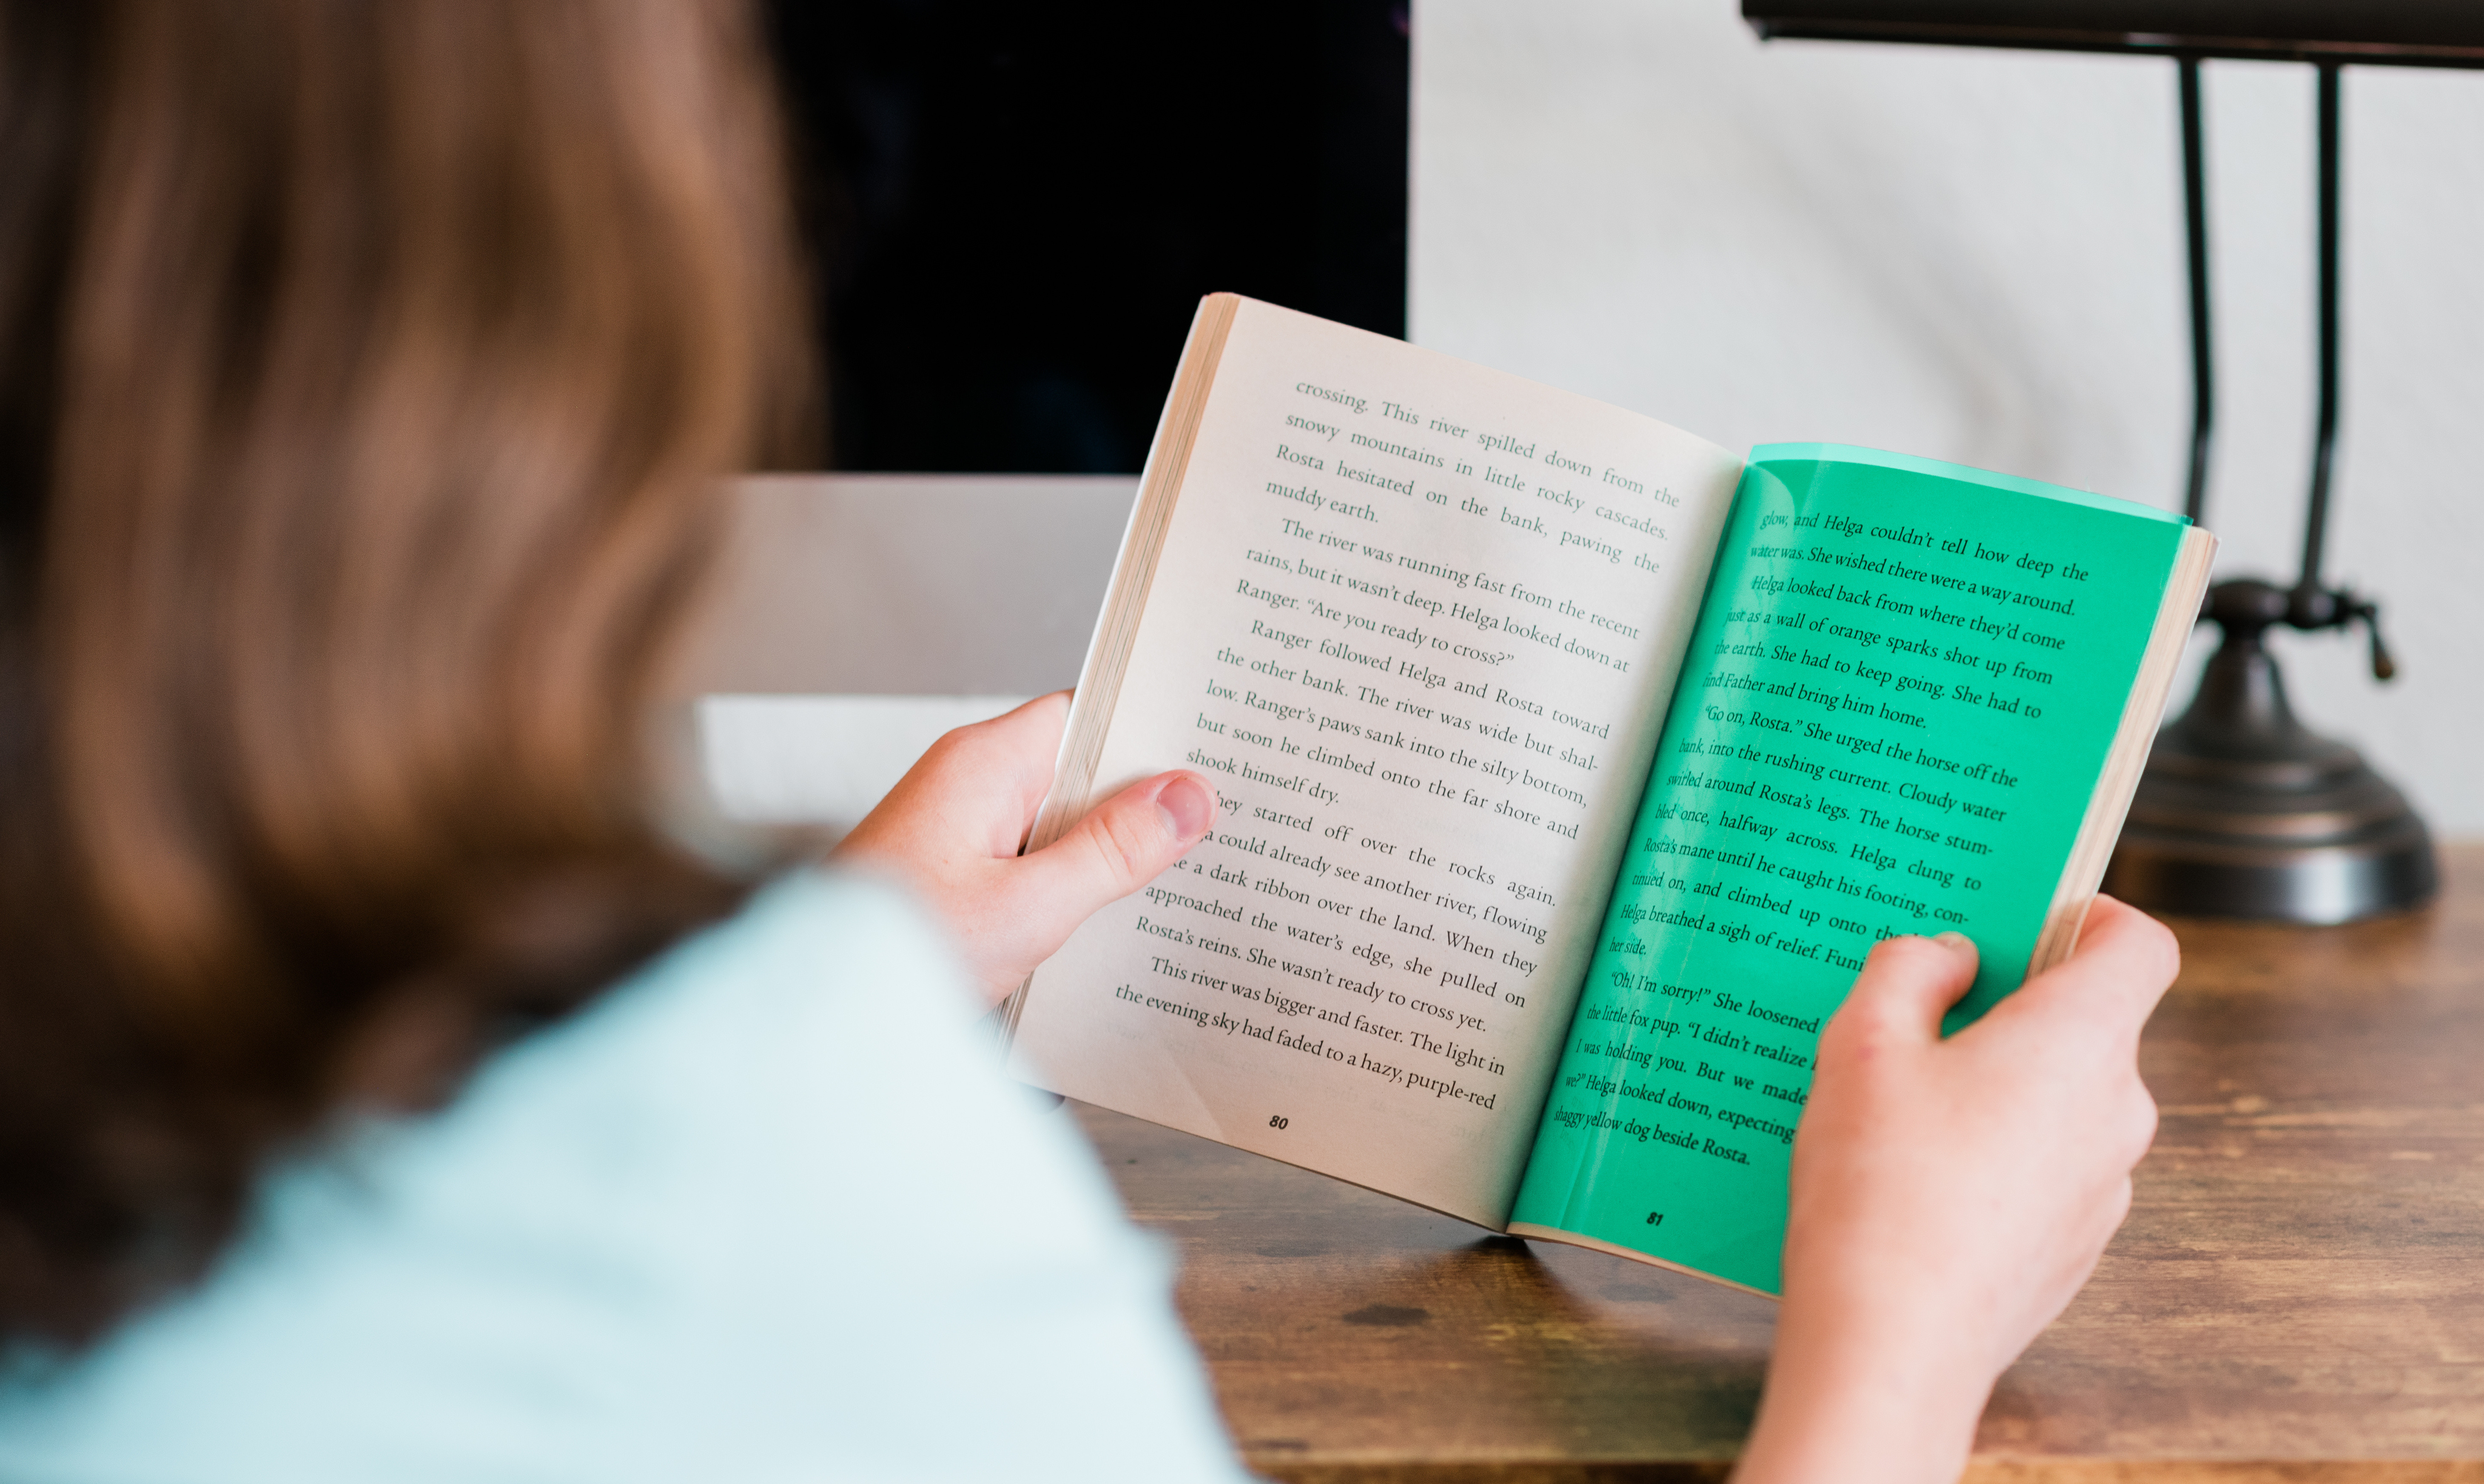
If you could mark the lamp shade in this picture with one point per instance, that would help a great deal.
(2419, 33)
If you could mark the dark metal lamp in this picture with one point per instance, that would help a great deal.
(2243, 812)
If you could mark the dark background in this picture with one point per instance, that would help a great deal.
(1015, 207)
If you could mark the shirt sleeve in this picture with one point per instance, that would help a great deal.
(766, 1211)
(934, 1280)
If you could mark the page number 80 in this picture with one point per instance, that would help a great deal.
(1277, 1121)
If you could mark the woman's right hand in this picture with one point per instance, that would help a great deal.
(1951, 1196)
(953, 827)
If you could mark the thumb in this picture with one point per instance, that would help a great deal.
(1907, 985)
(1122, 845)
(2124, 963)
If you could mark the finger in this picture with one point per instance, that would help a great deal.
(1908, 984)
(2131, 950)
(2124, 962)
(2137, 1121)
(1122, 845)
(983, 782)
(1013, 754)
(1022, 750)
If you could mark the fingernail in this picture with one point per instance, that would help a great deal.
(1955, 942)
(1188, 806)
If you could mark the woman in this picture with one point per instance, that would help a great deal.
(382, 1093)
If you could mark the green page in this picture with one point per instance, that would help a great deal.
(1906, 677)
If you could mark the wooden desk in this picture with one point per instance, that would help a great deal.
(2298, 1295)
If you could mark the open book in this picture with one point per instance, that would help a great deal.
(1570, 766)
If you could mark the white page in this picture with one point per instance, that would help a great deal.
(1418, 621)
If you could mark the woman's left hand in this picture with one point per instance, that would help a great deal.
(953, 827)
(1950, 1195)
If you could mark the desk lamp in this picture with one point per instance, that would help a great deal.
(2243, 812)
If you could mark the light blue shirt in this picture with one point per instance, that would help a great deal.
(766, 1211)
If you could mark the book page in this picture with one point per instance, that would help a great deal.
(1894, 718)
(1420, 622)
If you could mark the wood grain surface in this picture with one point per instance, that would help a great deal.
(2296, 1296)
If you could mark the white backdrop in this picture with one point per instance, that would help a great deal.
(1977, 255)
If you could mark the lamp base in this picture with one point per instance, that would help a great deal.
(2244, 812)
(2318, 843)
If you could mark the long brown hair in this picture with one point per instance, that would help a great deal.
(368, 376)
